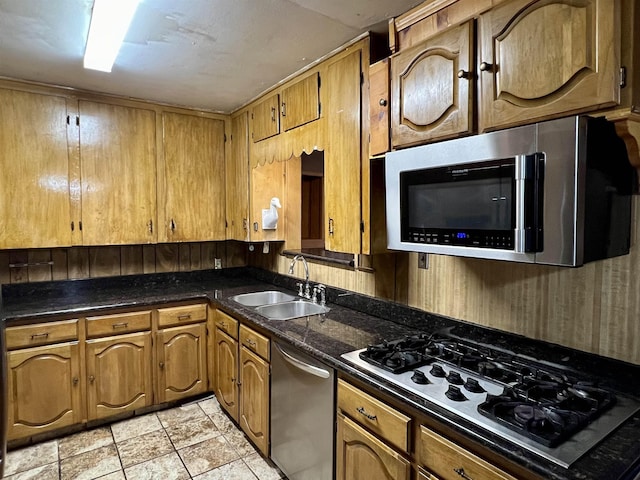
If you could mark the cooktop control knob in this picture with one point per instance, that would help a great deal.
(473, 386)
(455, 378)
(455, 394)
(419, 378)
(437, 371)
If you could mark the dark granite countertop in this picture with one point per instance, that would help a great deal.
(353, 322)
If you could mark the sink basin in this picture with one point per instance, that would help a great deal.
(289, 310)
(267, 297)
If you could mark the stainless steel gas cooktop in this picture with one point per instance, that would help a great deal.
(536, 405)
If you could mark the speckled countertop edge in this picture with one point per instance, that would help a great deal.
(356, 320)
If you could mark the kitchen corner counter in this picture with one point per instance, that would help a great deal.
(353, 322)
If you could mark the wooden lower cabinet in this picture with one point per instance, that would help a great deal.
(182, 361)
(362, 456)
(254, 398)
(43, 389)
(118, 374)
(226, 368)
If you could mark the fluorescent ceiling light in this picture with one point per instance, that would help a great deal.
(109, 24)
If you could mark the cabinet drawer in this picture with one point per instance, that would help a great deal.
(41, 334)
(116, 324)
(181, 315)
(227, 324)
(254, 341)
(451, 462)
(380, 418)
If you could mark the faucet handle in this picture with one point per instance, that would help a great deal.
(322, 289)
(300, 285)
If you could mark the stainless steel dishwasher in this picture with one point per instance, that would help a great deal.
(302, 414)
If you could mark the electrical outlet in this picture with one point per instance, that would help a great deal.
(217, 263)
(423, 261)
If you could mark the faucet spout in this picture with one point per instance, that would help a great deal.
(306, 271)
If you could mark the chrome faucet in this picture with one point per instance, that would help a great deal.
(307, 293)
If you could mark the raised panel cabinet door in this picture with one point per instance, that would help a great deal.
(542, 59)
(432, 88)
(193, 178)
(237, 180)
(34, 184)
(118, 374)
(268, 180)
(301, 102)
(379, 101)
(118, 174)
(182, 362)
(361, 456)
(254, 399)
(265, 118)
(226, 366)
(342, 157)
(43, 388)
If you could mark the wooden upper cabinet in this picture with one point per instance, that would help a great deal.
(34, 184)
(301, 102)
(379, 100)
(343, 155)
(432, 88)
(237, 180)
(541, 59)
(118, 174)
(266, 118)
(192, 175)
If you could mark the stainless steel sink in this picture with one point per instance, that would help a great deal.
(289, 310)
(267, 297)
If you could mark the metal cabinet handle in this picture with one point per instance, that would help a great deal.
(75, 381)
(463, 74)
(251, 342)
(245, 224)
(255, 226)
(184, 317)
(331, 226)
(312, 369)
(173, 225)
(486, 67)
(116, 326)
(461, 472)
(362, 411)
(383, 102)
(150, 225)
(223, 325)
(284, 109)
(273, 114)
(37, 336)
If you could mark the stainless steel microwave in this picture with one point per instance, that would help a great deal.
(556, 193)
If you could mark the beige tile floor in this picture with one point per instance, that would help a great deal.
(195, 441)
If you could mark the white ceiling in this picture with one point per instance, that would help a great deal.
(210, 54)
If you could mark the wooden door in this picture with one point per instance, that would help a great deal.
(254, 399)
(118, 374)
(182, 362)
(192, 175)
(237, 180)
(379, 100)
(43, 389)
(432, 88)
(545, 59)
(265, 118)
(34, 184)
(118, 172)
(361, 456)
(301, 102)
(342, 157)
(226, 365)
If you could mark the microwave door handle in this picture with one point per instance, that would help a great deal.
(532, 198)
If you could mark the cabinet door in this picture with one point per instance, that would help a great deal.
(193, 179)
(433, 88)
(379, 99)
(301, 102)
(226, 366)
(119, 374)
(541, 59)
(361, 456)
(237, 180)
(118, 170)
(254, 399)
(43, 389)
(266, 118)
(342, 158)
(34, 184)
(182, 362)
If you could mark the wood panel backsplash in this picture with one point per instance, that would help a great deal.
(594, 308)
(19, 266)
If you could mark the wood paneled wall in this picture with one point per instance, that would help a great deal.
(37, 265)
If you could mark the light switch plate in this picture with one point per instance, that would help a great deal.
(217, 263)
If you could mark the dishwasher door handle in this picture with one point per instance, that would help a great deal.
(312, 369)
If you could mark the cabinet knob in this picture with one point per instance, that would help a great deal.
(486, 67)
(91, 378)
(463, 74)
(383, 102)
(75, 381)
(161, 365)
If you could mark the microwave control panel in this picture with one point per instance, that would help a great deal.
(485, 239)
